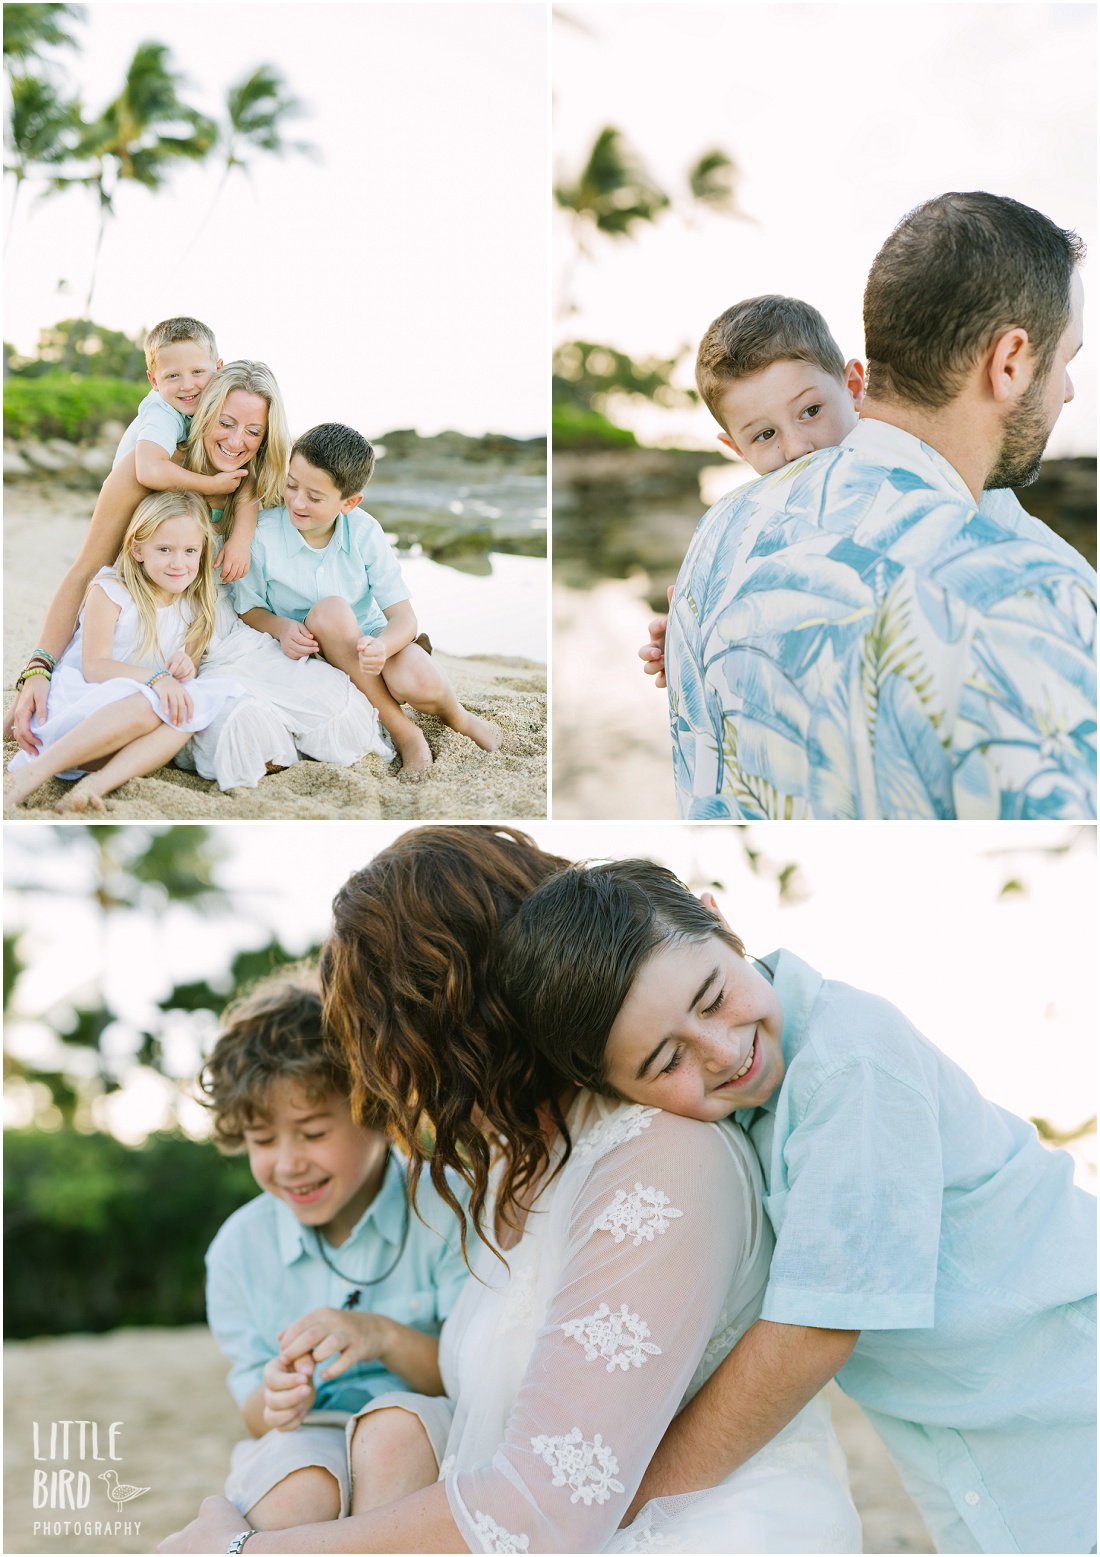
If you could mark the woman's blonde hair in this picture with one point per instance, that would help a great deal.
(268, 468)
(200, 594)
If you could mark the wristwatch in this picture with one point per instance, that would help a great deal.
(237, 1543)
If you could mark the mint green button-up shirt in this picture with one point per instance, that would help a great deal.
(263, 1271)
(909, 1208)
(288, 576)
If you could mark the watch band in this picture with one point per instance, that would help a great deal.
(237, 1543)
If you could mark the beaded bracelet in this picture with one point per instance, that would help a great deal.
(48, 659)
(32, 670)
(157, 674)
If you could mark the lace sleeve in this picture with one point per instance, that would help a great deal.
(656, 1233)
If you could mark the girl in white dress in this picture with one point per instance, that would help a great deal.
(152, 612)
(620, 1253)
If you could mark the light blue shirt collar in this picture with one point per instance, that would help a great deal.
(386, 1211)
(797, 985)
(294, 540)
(889, 445)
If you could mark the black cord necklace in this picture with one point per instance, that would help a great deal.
(355, 1282)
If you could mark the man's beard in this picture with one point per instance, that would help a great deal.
(1022, 442)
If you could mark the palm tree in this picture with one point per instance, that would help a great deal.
(713, 182)
(27, 28)
(256, 107)
(41, 132)
(139, 137)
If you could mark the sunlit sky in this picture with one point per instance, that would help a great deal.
(1003, 984)
(400, 281)
(842, 118)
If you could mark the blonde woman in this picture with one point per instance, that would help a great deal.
(308, 707)
(125, 689)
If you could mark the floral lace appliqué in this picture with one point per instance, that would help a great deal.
(447, 1466)
(616, 1131)
(496, 1537)
(621, 1338)
(587, 1466)
(645, 1535)
(641, 1215)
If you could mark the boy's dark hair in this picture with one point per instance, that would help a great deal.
(341, 452)
(569, 957)
(955, 274)
(752, 335)
(169, 332)
(275, 1032)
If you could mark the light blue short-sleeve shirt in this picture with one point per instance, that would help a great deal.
(264, 1271)
(288, 576)
(156, 422)
(908, 1207)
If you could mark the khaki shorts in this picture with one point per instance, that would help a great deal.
(258, 1464)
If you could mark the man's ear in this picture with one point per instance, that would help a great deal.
(1009, 366)
(855, 375)
(729, 443)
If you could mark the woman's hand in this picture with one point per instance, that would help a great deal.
(30, 701)
(352, 1337)
(226, 481)
(298, 643)
(372, 655)
(174, 701)
(182, 666)
(233, 562)
(217, 1524)
(288, 1392)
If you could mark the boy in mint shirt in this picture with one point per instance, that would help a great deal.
(930, 1252)
(323, 580)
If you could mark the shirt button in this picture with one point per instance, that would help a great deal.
(414, 1305)
(972, 1498)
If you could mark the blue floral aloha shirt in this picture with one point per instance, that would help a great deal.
(851, 637)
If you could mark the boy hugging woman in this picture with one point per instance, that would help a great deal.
(143, 656)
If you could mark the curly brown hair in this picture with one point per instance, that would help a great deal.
(411, 993)
(274, 1032)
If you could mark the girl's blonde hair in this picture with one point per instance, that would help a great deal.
(268, 468)
(200, 594)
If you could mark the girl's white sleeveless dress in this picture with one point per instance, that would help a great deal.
(642, 1263)
(292, 707)
(72, 699)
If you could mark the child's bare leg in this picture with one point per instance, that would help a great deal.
(390, 1458)
(413, 677)
(99, 736)
(135, 760)
(332, 622)
(305, 1497)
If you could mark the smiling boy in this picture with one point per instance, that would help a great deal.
(930, 1252)
(323, 580)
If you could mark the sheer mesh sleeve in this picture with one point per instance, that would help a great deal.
(656, 1233)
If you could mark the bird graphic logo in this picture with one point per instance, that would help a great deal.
(120, 1492)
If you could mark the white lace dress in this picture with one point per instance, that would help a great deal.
(72, 699)
(293, 707)
(642, 1264)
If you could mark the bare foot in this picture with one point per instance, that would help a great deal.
(84, 797)
(488, 736)
(416, 756)
(23, 784)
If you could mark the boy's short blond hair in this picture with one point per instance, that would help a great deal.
(752, 335)
(276, 1032)
(170, 331)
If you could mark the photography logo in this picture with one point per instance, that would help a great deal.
(67, 1447)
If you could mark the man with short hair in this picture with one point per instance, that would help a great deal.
(849, 637)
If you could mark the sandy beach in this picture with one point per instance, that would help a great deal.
(167, 1389)
(43, 530)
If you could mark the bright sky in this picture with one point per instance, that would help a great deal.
(842, 118)
(401, 281)
(1004, 984)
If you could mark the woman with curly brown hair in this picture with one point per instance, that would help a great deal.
(618, 1253)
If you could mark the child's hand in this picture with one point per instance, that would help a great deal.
(372, 655)
(353, 1337)
(233, 562)
(182, 666)
(297, 641)
(653, 652)
(174, 701)
(227, 480)
(288, 1392)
